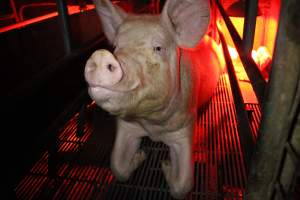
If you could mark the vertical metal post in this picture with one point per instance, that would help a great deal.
(271, 170)
(65, 24)
(249, 25)
(14, 9)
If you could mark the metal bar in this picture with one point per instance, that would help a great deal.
(232, 30)
(51, 133)
(254, 74)
(280, 190)
(14, 9)
(249, 25)
(64, 24)
(243, 123)
(292, 153)
(23, 7)
(280, 114)
(81, 121)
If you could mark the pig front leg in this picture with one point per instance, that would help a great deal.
(179, 172)
(126, 156)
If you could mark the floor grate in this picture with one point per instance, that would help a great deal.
(83, 170)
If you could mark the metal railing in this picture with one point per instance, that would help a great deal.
(22, 8)
(14, 14)
(258, 83)
(243, 121)
(274, 161)
(244, 47)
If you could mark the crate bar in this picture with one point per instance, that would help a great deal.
(254, 74)
(14, 9)
(284, 81)
(64, 24)
(249, 25)
(243, 123)
(292, 153)
(288, 149)
(53, 145)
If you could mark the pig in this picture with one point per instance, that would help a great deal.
(162, 69)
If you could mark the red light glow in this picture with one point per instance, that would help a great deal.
(71, 10)
(263, 60)
(261, 57)
(264, 38)
(233, 52)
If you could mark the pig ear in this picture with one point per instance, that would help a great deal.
(187, 20)
(111, 17)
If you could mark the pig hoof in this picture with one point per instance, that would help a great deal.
(122, 174)
(177, 190)
(179, 194)
(139, 157)
(180, 190)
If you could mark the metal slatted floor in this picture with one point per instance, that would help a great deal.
(83, 169)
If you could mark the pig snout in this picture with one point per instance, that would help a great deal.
(102, 69)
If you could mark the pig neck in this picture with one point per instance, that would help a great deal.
(178, 112)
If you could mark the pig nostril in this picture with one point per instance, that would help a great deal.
(110, 67)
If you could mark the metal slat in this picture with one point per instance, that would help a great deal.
(223, 142)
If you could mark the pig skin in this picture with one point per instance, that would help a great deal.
(168, 73)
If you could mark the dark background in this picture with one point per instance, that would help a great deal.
(37, 85)
(38, 80)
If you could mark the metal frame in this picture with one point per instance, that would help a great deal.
(64, 24)
(51, 134)
(22, 8)
(274, 169)
(249, 25)
(80, 102)
(259, 84)
(243, 47)
(243, 125)
(275, 161)
(14, 14)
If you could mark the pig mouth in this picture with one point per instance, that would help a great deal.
(107, 78)
(102, 93)
(116, 89)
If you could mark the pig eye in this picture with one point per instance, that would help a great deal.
(157, 49)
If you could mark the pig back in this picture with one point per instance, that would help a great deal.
(205, 65)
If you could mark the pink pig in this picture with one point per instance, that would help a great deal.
(154, 82)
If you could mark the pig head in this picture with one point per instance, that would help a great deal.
(154, 81)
